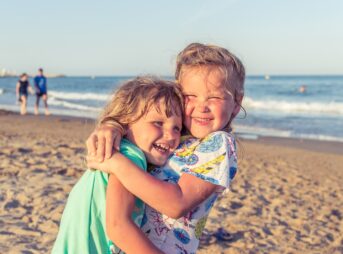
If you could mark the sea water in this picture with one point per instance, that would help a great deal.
(274, 105)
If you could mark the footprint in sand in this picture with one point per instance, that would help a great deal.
(24, 150)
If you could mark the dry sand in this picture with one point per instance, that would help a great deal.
(286, 198)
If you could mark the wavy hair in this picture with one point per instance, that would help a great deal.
(134, 98)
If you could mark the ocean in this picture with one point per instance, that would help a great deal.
(274, 105)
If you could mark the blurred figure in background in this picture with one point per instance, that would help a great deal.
(302, 89)
(22, 88)
(41, 91)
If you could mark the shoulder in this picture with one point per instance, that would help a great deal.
(132, 152)
(222, 134)
(218, 142)
(218, 137)
(127, 146)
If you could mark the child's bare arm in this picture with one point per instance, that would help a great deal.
(17, 89)
(31, 90)
(173, 200)
(119, 225)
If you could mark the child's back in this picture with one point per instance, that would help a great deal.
(83, 223)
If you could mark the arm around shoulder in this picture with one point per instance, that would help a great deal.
(173, 200)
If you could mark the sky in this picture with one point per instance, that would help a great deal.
(132, 37)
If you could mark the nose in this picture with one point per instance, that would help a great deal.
(170, 135)
(202, 107)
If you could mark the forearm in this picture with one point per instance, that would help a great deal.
(119, 225)
(130, 239)
(165, 197)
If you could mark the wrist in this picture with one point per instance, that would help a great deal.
(120, 165)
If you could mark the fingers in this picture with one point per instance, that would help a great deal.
(102, 141)
(116, 142)
(109, 144)
(91, 162)
(91, 144)
(100, 152)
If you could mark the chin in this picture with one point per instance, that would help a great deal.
(200, 134)
(160, 163)
(157, 162)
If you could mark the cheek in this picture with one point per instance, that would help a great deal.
(188, 109)
(220, 109)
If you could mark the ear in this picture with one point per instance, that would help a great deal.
(237, 107)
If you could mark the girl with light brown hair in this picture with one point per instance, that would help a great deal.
(99, 209)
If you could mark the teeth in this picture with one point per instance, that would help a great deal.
(161, 147)
(203, 119)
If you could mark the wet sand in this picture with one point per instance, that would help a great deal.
(286, 198)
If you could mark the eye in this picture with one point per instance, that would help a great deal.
(215, 98)
(189, 96)
(158, 123)
(177, 129)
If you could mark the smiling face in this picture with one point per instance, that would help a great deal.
(156, 134)
(209, 106)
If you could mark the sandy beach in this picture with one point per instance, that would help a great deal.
(286, 198)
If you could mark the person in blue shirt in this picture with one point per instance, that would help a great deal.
(40, 83)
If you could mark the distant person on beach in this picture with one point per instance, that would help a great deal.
(22, 88)
(180, 194)
(99, 209)
(41, 91)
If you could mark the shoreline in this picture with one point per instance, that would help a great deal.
(335, 147)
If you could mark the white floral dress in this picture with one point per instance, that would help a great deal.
(212, 159)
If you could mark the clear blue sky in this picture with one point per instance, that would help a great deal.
(128, 37)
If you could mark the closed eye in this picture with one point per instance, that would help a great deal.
(158, 123)
(215, 98)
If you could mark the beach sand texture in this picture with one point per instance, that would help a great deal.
(283, 200)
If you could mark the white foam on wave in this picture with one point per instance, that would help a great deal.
(253, 132)
(2, 91)
(319, 137)
(70, 105)
(260, 131)
(79, 96)
(332, 108)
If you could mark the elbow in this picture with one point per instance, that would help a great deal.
(178, 211)
(177, 206)
(114, 230)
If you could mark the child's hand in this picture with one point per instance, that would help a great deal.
(102, 141)
(94, 164)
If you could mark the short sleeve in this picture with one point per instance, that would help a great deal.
(214, 159)
(133, 153)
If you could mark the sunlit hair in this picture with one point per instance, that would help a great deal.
(134, 98)
(215, 58)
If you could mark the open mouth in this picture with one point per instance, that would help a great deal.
(163, 148)
(201, 120)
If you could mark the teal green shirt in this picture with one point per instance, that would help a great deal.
(83, 223)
